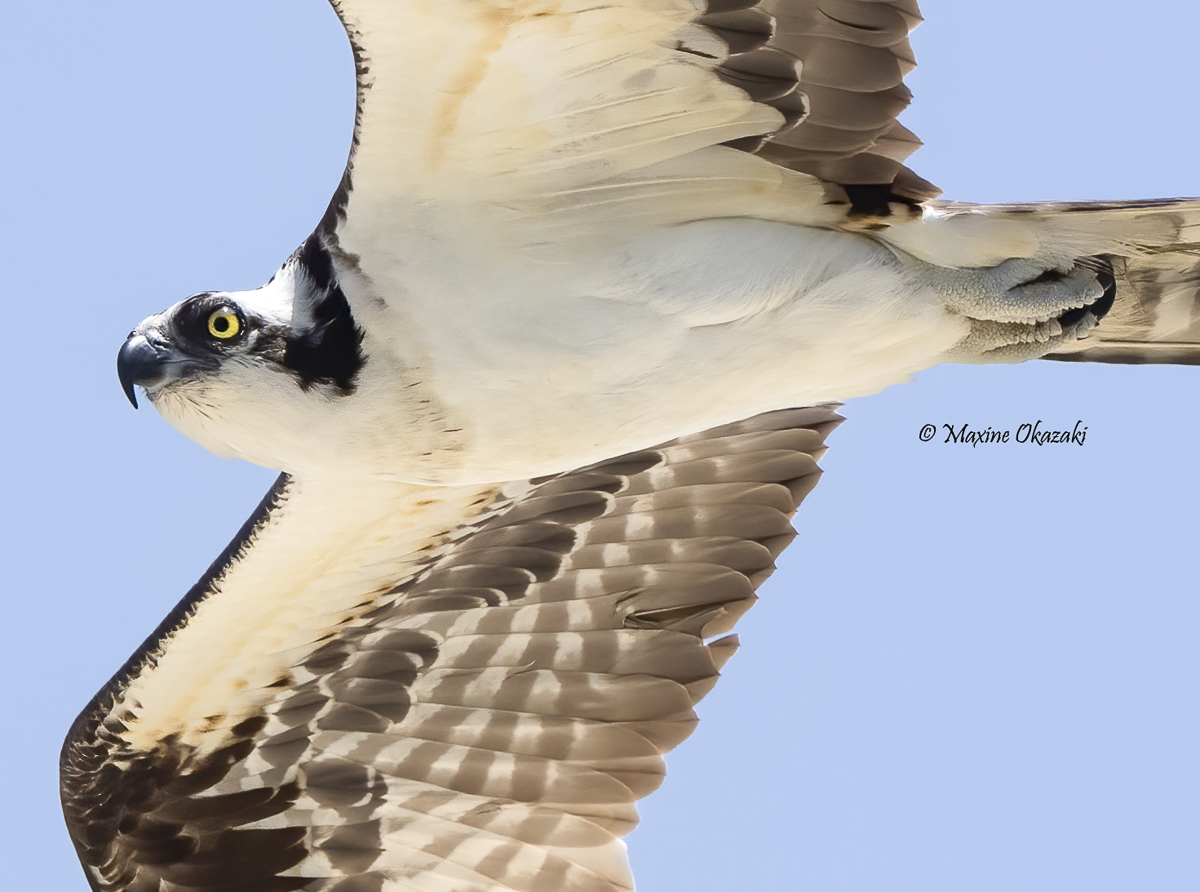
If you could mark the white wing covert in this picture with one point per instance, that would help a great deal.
(523, 110)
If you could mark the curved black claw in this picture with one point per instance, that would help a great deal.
(1102, 264)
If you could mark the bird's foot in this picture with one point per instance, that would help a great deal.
(1022, 308)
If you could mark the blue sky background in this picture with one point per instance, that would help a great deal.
(976, 668)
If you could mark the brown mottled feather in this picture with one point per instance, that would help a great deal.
(486, 724)
(841, 109)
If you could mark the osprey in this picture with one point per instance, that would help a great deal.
(564, 233)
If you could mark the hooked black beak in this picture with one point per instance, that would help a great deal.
(143, 363)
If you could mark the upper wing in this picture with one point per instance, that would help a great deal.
(498, 112)
(435, 689)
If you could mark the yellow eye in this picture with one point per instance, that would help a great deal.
(224, 324)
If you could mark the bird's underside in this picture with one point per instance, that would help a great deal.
(568, 231)
(565, 232)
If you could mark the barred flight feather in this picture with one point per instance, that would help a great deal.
(485, 720)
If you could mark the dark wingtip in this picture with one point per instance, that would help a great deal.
(1100, 307)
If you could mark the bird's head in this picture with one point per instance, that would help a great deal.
(247, 373)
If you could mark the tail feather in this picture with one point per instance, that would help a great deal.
(1154, 247)
(1155, 317)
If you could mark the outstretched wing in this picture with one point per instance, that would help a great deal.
(464, 690)
(517, 109)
